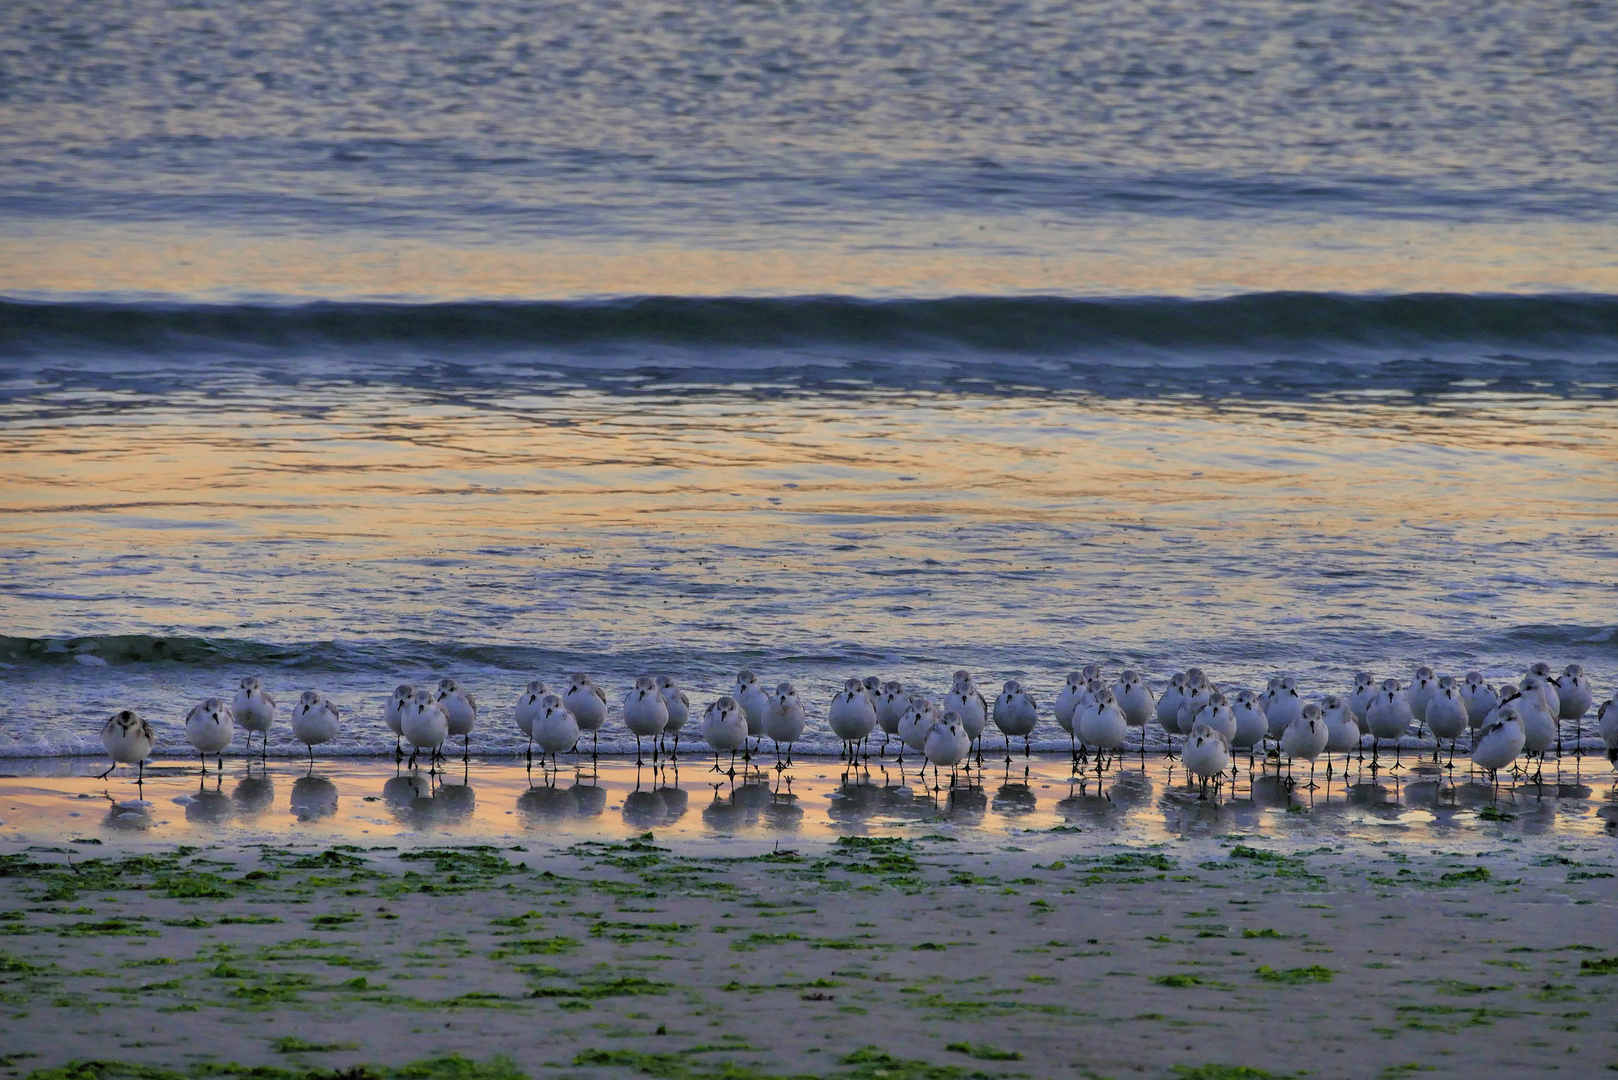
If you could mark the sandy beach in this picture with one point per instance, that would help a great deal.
(865, 947)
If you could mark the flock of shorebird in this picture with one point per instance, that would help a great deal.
(1505, 722)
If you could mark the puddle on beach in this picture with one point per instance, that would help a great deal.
(368, 801)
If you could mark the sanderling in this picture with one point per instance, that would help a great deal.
(1168, 709)
(425, 726)
(588, 704)
(393, 714)
(1342, 730)
(784, 721)
(947, 743)
(645, 713)
(1251, 724)
(1206, 755)
(1197, 691)
(1134, 697)
(724, 727)
(1499, 741)
(462, 709)
(1446, 714)
(1389, 717)
(890, 709)
(1553, 699)
(914, 724)
(1574, 692)
(314, 721)
(128, 740)
(1481, 699)
(555, 728)
(1539, 682)
(1102, 724)
(966, 701)
(209, 728)
(750, 695)
(1420, 689)
(1015, 713)
(1216, 713)
(1538, 723)
(527, 711)
(1306, 737)
(254, 711)
(1068, 700)
(679, 707)
(1282, 705)
(1359, 698)
(851, 715)
(1607, 725)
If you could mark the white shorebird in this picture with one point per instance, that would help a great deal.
(1499, 741)
(462, 709)
(646, 714)
(1168, 708)
(1576, 698)
(750, 695)
(1574, 691)
(1282, 705)
(1421, 688)
(947, 743)
(254, 711)
(425, 727)
(1388, 717)
(1206, 755)
(1446, 715)
(1216, 713)
(851, 715)
(890, 709)
(209, 728)
(128, 740)
(784, 721)
(1306, 737)
(1134, 697)
(1607, 725)
(555, 729)
(588, 704)
(393, 714)
(1015, 713)
(1538, 724)
(1251, 724)
(724, 727)
(1102, 724)
(527, 710)
(314, 721)
(914, 725)
(1342, 730)
(967, 701)
(1547, 686)
(1538, 681)
(1481, 699)
(1197, 692)
(679, 707)
(873, 690)
(1359, 698)
(1073, 691)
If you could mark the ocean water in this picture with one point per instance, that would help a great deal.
(374, 342)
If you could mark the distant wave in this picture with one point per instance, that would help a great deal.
(1271, 346)
(1037, 325)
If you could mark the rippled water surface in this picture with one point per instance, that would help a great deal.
(355, 343)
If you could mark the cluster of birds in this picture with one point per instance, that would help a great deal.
(1505, 721)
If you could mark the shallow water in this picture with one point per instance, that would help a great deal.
(1030, 802)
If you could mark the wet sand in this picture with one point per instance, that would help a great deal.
(588, 928)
